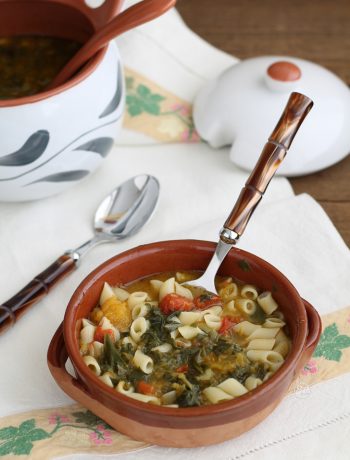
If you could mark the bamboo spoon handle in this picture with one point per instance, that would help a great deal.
(134, 16)
(14, 308)
(298, 106)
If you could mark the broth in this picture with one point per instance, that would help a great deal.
(29, 63)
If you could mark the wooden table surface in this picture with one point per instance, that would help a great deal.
(317, 30)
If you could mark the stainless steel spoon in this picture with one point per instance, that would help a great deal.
(120, 215)
(298, 106)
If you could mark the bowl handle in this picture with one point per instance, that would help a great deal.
(98, 16)
(56, 358)
(315, 328)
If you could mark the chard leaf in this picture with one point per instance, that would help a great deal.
(189, 398)
(111, 356)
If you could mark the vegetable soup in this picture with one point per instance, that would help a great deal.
(29, 63)
(162, 342)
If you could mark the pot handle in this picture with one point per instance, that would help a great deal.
(314, 325)
(314, 331)
(99, 15)
(56, 359)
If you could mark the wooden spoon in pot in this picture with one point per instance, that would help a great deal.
(134, 16)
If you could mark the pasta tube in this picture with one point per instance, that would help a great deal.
(252, 382)
(189, 317)
(267, 302)
(216, 395)
(233, 387)
(144, 362)
(246, 306)
(92, 364)
(212, 321)
(168, 287)
(107, 293)
(136, 298)
(272, 358)
(248, 291)
(189, 332)
(138, 327)
(121, 294)
(261, 344)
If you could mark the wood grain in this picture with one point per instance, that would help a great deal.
(317, 30)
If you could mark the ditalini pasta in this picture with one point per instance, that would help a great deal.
(160, 342)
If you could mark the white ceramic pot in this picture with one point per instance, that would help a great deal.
(57, 139)
(242, 104)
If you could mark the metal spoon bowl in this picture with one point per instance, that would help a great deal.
(121, 214)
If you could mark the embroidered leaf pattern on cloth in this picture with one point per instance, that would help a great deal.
(89, 419)
(19, 440)
(169, 116)
(143, 100)
(332, 343)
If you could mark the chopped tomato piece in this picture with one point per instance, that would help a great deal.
(100, 334)
(207, 300)
(145, 388)
(175, 302)
(228, 322)
(183, 368)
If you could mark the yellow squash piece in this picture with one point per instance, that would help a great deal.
(96, 315)
(118, 313)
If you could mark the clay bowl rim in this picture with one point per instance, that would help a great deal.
(240, 404)
(83, 73)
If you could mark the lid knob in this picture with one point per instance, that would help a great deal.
(282, 76)
(284, 71)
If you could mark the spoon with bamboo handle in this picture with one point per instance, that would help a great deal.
(134, 16)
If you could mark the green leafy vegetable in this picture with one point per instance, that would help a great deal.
(222, 346)
(190, 397)
(260, 371)
(241, 373)
(112, 358)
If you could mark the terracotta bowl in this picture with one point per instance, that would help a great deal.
(183, 427)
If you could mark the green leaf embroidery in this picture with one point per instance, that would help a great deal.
(342, 341)
(331, 344)
(244, 265)
(27, 425)
(143, 91)
(89, 419)
(129, 82)
(143, 101)
(134, 107)
(20, 440)
(8, 432)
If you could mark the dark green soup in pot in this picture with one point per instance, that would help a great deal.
(29, 63)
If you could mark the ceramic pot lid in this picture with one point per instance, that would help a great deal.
(243, 104)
